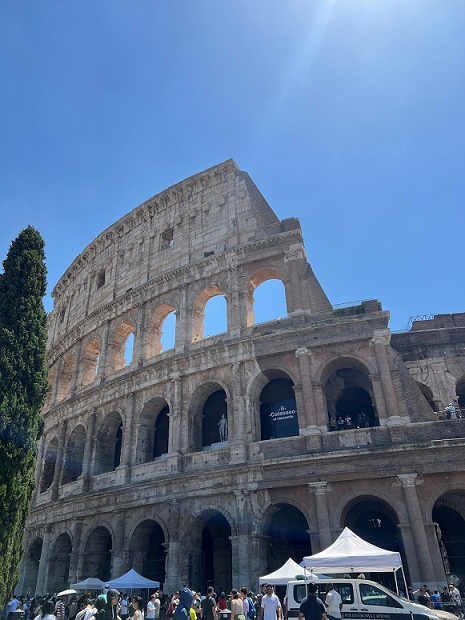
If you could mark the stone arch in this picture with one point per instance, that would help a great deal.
(97, 553)
(256, 279)
(448, 515)
(117, 345)
(74, 455)
(153, 430)
(278, 408)
(154, 330)
(109, 443)
(349, 395)
(31, 567)
(349, 499)
(58, 562)
(207, 405)
(50, 461)
(89, 361)
(147, 550)
(210, 561)
(65, 377)
(286, 527)
(375, 520)
(198, 309)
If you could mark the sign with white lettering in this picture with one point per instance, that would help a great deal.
(279, 419)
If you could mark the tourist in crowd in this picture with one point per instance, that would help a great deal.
(47, 612)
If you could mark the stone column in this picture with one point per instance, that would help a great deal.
(380, 341)
(303, 356)
(140, 343)
(58, 369)
(320, 490)
(41, 585)
(410, 554)
(38, 468)
(174, 438)
(118, 547)
(129, 436)
(409, 482)
(183, 327)
(320, 407)
(60, 460)
(103, 358)
(435, 553)
(76, 366)
(74, 558)
(173, 568)
(291, 259)
(236, 416)
(89, 448)
(234, 307)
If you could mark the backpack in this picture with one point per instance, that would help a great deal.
(251, 612)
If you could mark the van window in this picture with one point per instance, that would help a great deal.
(345, 590)
(371, 595)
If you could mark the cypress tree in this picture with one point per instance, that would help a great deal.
(23, 385)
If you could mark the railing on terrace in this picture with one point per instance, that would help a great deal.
(348, 304)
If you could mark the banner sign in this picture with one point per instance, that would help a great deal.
(279, 419)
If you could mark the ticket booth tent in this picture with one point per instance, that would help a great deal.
(351, 554)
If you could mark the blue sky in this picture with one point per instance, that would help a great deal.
(348, 114)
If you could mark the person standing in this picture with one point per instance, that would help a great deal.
(311, 607)
(270, 607)
(333, 603)
(208, 606)
(156, 603)
(150, 615)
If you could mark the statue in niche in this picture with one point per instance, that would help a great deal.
(223, 428)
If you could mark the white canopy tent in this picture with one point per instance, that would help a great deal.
(133, 581)
(289, 570)
(91, 583)
(351, 554)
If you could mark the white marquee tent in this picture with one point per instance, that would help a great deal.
(133, 581)
(351, 554)
(282, 575)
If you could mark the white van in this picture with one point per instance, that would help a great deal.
(362, 600)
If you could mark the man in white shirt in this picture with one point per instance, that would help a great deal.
(270, 608)
(151, 608)
(333, 603)
(156, 602)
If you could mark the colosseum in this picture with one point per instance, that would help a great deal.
(215, 460)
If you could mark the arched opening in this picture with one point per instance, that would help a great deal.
(109, 443)
(265, 296)
(64, 380)
(213, 565)
(288, 537)
(428, 394)
(89, 362)
(349, 399)
(215, 419)
(161, 331)
(58, 565)
(217, 313)
(460, 391)
(97, 554)
(50, 462)
(215, 321)
(374, 521)
(153, 435)
(269, 301)
(278, 409)
(207, 408)
(120, 346)
(147, 551)
(74, 455)
(448, 514)
(31, 567)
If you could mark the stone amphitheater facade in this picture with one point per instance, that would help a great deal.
(131, 472)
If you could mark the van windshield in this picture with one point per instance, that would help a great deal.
(345, 590)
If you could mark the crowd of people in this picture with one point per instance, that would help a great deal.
(189, 605)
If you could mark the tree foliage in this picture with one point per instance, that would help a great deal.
(23, 385)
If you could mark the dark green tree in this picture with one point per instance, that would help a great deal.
(23, 386)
